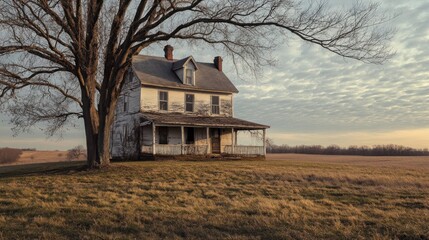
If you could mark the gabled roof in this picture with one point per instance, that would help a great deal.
(158, 71)
(180, 119)
(182, 62)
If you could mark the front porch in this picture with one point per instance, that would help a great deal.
(173, 134)
(173, 141)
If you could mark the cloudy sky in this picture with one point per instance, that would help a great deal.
(314, 97)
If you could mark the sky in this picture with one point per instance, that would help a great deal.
(312, 96)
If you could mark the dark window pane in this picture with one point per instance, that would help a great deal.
(163, 106)
(215, 100)
(189, 107)
(215, 109)
(189, 97)
(163, 96)
(125, 103)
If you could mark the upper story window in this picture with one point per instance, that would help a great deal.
(215, 105)
(189, 77)
(125, 103)
(163, 101)
(189, 102)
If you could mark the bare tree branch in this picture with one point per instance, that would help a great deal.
(63, 58)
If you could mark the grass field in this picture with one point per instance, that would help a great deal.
(294, 196)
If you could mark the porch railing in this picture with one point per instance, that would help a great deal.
(245, 150)
(195, 149)
(176, 149)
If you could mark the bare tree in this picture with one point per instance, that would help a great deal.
(75, 153)
(62, 59)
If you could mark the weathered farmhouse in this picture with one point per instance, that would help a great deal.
(178, 107)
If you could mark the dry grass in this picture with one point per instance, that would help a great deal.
(214, 200)
(411, 162)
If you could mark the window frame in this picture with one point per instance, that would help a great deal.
(191, 77)
(212, 105)
(162, 100)
(186, 102)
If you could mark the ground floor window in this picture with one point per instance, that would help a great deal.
(190, 136)
(163, 135)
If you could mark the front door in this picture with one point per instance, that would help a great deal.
(215, 140)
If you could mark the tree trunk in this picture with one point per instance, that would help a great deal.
(104, 138)
(108, 100)
(98, 141)
(91, 133)
(91, 122)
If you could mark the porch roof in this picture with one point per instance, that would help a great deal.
(178, 119)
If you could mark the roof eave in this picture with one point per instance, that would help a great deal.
(187, 87)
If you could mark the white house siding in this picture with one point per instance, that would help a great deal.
(129, 119)
(176, 101)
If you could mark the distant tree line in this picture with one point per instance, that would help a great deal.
(28, 149)
(376, 150)
(9, 155)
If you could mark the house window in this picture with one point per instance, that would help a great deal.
(163, 101)
(189, 77)
(215, 104)
(189, 102)
(163, 135)
(125, 103)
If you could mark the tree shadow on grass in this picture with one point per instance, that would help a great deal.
(34, 169)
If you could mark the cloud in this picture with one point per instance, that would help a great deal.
(314, 91)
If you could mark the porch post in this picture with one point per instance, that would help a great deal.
(153, 138)
(232, 140)
(182, 128)
(264, 143)
(208, 140)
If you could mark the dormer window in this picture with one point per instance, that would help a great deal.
(185, 70)
(189, 78)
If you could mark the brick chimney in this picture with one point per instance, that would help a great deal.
(168, 52)
(218, 63)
